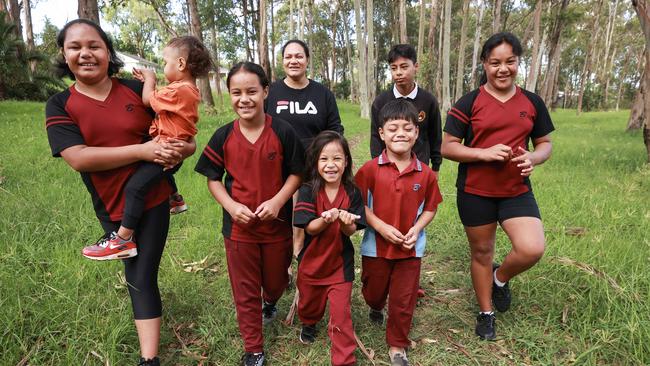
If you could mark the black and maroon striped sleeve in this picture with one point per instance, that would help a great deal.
(305, 210)
(62, 131)
(211, 162)
(542, 125)
(459, 116)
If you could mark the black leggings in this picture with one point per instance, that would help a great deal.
(138, 186)
(142, 270)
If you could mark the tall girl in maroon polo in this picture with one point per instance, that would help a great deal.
(488, 132)
(262, 159)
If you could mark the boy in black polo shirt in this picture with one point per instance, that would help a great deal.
(402, 59)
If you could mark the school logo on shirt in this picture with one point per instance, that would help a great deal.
(295, 108)
(129, 107)
(416, 187)
(271, 155)
(421, 116)
(523, 114)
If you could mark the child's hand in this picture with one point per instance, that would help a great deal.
(523, 160)
(391, 234)
(330, 216)
(411, 237)
(241, 214)
(137, 73)
(347, 218)
(268, 210)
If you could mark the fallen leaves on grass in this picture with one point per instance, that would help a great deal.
(575, 231)
(121, 280)
(106, 362)
(459, 347)
(194, 267)
(565, 314)
(188, 339)
(292, 310)
(590, 270)
(35, 348)
(368, 352)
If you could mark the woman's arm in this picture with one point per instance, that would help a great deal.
(174, 151)
(84, 158)
(453, 149)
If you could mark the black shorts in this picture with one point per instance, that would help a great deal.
(477, 210)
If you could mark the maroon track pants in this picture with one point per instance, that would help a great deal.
(311, 307)
(397, 280)
(252, 267)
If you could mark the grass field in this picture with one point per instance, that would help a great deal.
(586, 303)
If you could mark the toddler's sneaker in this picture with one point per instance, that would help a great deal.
(269, 312)
(485, 326)
(111, 246)
(376, 316)
(399, 359)
(176, 204)
(308, 334)
(252, 359)
(501, 297)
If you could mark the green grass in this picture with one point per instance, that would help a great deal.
(585, 303)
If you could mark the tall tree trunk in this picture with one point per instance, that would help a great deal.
(203, 83)
(263, 42)
(249, 53)
(348, 52)
(292, 33)
(431, 38)
(301, 17)
(460, 65)
(310, 33)
(14, 17)
(421, 32)
(334, 17)
(637, 112)
(370, 30)
(496, 16)
(642, 8)
(403, 38)
(86, 9)
(214, 40)
(272, 41)
(446, 97)
(531, 81)
(29, 32)
(441, 31)
(554, 55)
(477, 44)
(586, 68)
(361, 63)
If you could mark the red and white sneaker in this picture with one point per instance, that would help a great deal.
(176, 204)
(111, 247)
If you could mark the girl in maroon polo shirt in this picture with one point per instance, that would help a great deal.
(488, 131)
(329, 209)
(262, 159)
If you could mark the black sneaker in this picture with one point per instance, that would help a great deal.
(501, 297)
(485, 326)
(252, 359)
(269, 312)
(376, 316)
(399, 359)
(149, 362)
(308, 334)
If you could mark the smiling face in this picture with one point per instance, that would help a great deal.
(332, 163)
(399, 135)
(501, 67)
(247, 95)
(86, 54)
(403, 72)
(294, 61)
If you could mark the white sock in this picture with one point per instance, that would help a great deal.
(486, 312)
(496, 280)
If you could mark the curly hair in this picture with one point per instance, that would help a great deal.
(199, 62)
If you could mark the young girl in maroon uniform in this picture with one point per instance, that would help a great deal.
(488, 131)
(262, 159)
(329, 209)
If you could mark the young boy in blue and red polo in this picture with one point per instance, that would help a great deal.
(401, 196)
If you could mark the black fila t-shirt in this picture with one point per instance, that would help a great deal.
(309, 110)
(483, 121)
(121, 119)
(327, 258)
(255, 172)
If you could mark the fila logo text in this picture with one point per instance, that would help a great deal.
(294, 107)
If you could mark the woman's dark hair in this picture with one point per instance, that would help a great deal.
(61, 67)
(250, 67)
(198, 57)
(398, 109)
(402, 50)
(312, 177)
(299, 42)
(496, 40)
